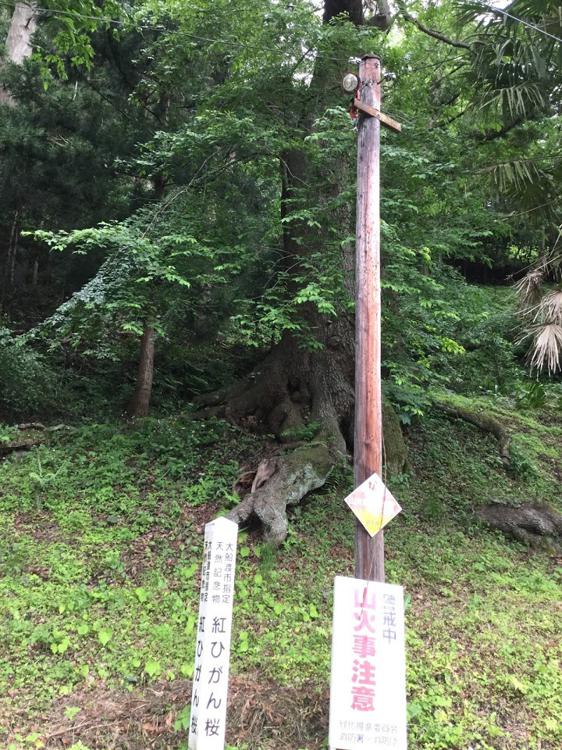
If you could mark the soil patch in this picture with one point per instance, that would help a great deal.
(263, 714)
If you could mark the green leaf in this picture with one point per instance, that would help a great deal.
(71, 712)
(518, 685)
(142, 595)
(152, 668)
(104, 636)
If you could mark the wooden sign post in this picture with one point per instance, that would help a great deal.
(369, 550)
(368, 693)
(212, 653)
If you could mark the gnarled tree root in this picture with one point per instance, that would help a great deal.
(484, 422)
(290, 393)
(283, 481)
(20, 445)
(532, 524)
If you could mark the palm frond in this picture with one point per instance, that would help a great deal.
(516, 175)
(519, 99)
(550, 307)
(546, 348)
(516, 69)
(529, 288)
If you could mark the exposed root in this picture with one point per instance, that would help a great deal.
(298, 397)
(269, 406)
(261, 403)
(282, 481)
(531, 524)
(41, 426)
(21, 445)
(484, 422)
(37, 435)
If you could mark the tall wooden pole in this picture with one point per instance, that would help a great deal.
(369, 551)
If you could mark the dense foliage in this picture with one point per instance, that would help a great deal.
(145, 179)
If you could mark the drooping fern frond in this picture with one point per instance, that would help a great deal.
(540, 309)
(518, 99)
(516, 174)
(550, 307)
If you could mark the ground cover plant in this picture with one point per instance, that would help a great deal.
(101, 550)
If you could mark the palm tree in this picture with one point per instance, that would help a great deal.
(512, 62)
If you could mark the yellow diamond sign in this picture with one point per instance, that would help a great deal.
(373, 504)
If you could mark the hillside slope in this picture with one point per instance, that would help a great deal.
(100, 549)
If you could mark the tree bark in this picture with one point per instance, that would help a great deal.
(19, 40)
(305, 400)
(140, 403)
(353, 9)
(12, 253)
(8, 272)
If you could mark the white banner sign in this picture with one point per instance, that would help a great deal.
(212, 654)
(368, 686)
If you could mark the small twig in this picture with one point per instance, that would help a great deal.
(68, 730)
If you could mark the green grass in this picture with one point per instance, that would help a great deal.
(100, 549)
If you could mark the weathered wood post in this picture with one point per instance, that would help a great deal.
(369, 551)
(367, 694)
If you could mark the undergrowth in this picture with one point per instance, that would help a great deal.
(100, 552)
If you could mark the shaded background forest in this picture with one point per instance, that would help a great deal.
(149, 181)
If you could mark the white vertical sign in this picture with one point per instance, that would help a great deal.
(212, 652)
(368, 685)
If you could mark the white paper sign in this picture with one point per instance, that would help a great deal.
(368, 685)
(212, 653)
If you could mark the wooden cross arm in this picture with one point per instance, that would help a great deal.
(385, 119)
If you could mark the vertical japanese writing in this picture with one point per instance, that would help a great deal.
(364, 650)
(212, 651)
(368, 685)
(389, 618)
(203, 601)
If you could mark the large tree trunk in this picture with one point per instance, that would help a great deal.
(9, 270)
(293, 394)
(305, 400)
(18, 44)
(140, 403)
(302, 397)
